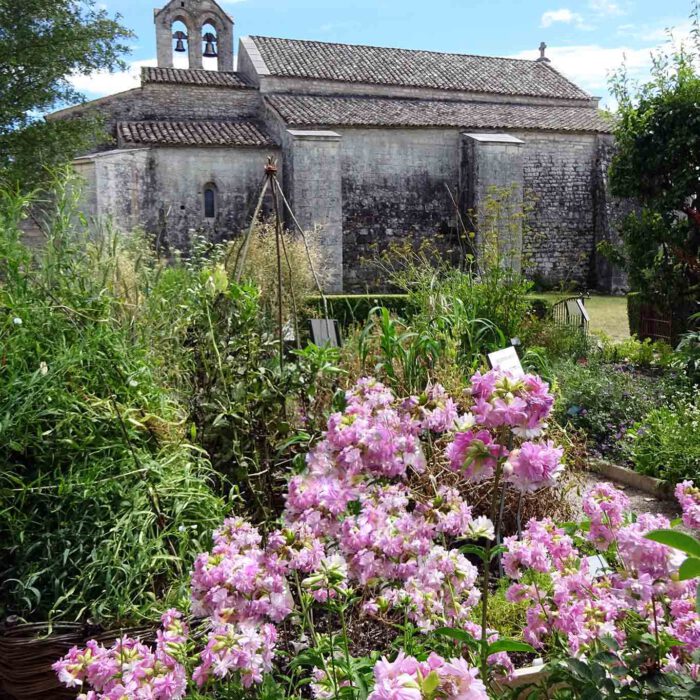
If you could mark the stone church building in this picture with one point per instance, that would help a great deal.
(372, 145)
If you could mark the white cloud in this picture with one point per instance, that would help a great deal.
(606, 8)
(103, 83)
(106, 83)
(680, 31)
(564, 15)
(590, 65)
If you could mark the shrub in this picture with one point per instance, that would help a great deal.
(666, 443)
(103, 500)
(641, 353)
(687, 357)
(352, 309)
(605, 400)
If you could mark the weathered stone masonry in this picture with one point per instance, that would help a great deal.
(368, 140)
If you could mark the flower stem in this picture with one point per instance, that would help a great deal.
(487, 574)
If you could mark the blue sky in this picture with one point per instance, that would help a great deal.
(586, 38)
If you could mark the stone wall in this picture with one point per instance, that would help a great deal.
(313, 165)
(162, 190)
(492, 172)
(394, 189)
(116, 187)
(609, 214)
(176, 204)
(559, 186)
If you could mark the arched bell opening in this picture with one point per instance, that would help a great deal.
(210, 46)
(181, 44)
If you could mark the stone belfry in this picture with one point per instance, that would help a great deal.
(208, 33)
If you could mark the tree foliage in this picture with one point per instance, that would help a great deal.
(42, 44)
(658, 165)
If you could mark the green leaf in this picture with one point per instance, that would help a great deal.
(459, 635)
(430, 684)
(678, 540)
(474, 549)
(509, 645)
(690, 568)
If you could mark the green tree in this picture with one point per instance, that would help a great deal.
(658, 164)
(42, 44)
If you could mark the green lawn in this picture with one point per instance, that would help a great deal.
(608, 314)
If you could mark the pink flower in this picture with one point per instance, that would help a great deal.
(475, 454)
(606, 506)
(522, 404)
(534, 466)
(438, 412)
(460, 682)
(689, 498)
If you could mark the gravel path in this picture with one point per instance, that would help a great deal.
(641, 502)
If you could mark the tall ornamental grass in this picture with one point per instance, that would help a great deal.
(104, 500)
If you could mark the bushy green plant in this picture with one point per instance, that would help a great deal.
(687, 357)
(138, 395)
(103, 499)
(605, 400)
(642, 353)
(656, 133)
(666, 442)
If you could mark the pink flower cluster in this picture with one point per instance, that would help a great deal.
(351, 520)
(534, 466)
(233, 583)
(129, 669)
(245, 648)
(475, 454)
(589, 598)
(606, 507)
(689, 498)
(406, 678)
(354, 496)
(520, 403)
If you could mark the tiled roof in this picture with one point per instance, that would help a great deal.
(199, 133)
(426, 69)
(329, 111)
(181, 76)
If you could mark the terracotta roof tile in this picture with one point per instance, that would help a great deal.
(195, 133)
(330, 111)
(426, 69)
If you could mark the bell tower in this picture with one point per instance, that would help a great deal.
(199, 28)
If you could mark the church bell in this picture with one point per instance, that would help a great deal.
(210, 48)
(180, 38)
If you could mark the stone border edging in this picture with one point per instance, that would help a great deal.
(647, 484)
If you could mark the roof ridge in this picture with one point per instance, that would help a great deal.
(395, 48)
(415, 98)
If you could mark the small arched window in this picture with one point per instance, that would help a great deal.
(210, 201)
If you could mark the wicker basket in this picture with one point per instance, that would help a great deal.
(28, 651)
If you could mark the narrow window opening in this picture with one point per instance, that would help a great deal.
(210, 202)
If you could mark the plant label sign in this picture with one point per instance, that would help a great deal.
(507, 360)
(583, 309)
